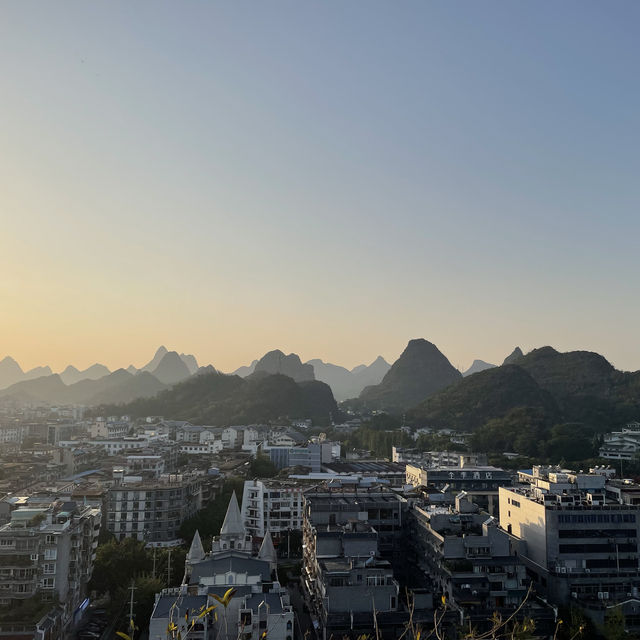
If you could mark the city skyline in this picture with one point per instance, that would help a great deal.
(325, 179)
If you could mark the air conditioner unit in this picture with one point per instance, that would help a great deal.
(605, 595)
(574, 594)
(629, 594)
(563, 569)
(600, 595)
(34, 556)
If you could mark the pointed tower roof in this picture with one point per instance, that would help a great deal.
(232, 524)
(267, 550)
(196, 551)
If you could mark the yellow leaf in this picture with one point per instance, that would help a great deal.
(126, 636)
(206, 611)
(444, 599)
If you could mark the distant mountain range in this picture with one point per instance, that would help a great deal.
(577, 387)
(344, 383)
(11, 372)
(175, 368)
(96, 384)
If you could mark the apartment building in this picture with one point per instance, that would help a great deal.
(110, 428)
(271, 506)
(463, 553)
(152, 510)
(47, 550)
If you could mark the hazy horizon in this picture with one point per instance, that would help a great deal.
(139, 363)
(331, 179)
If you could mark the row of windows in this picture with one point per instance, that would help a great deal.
(600, 517)
(597, 533)
(598, 548)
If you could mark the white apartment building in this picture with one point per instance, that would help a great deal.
(622, 445)
(13, 433)
(109, 428)
(271, 506)
(214, 446)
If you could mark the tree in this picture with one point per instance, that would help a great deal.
(613, 628)
(262, 467)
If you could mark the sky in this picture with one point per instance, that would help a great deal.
(329, 178)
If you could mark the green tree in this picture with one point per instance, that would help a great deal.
(613, 628)
(262, 467)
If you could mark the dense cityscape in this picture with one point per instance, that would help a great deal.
(157, 527)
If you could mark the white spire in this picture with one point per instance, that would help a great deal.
(232, 525)
(267, 551)
(196, 551)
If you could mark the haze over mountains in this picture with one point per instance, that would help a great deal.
(577, 387)
(344, 383)
(96, 384)
(165, 369)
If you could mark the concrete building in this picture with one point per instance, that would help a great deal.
(479, 482)
(152, 510)
(580, 546)
(47, 550)
(468, 558)
(348, 537)
(272, 506)
(622, 445)
(145, 465)
(109, 428)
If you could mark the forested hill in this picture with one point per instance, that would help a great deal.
(577, 386)
(219, 399)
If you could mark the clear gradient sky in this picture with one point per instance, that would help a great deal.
(331, 178)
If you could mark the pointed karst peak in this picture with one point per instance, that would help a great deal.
(9, 361)
(289, 365)
(513, 356)
(420, 371)
(232, 524)
(10, 372)
(477, 366)
(160, 353)
(171, 369)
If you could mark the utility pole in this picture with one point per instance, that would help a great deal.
(169, 567)
(154, 562)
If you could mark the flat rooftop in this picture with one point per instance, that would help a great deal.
(365, 466)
